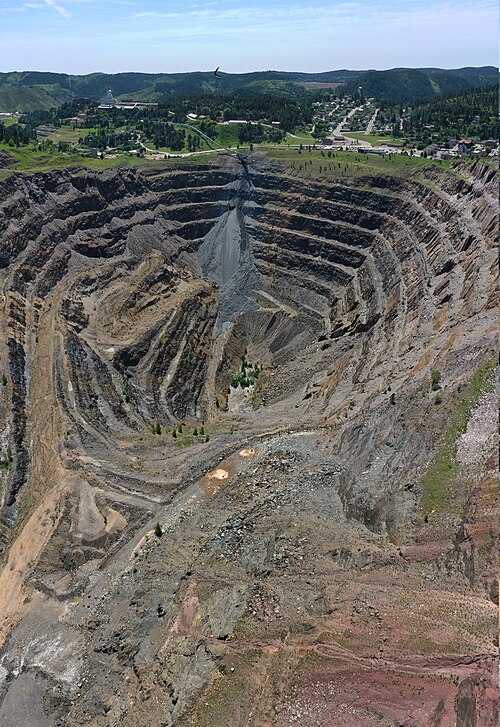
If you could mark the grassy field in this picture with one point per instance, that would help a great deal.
(29, 160)
(67, 133)
(308, 164)
(373, 139)
(443, 470)
(8, 120)
(303, 138)
(204, 146)
(227, 134)
(316, 164)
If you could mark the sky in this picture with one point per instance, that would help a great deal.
(168, 36)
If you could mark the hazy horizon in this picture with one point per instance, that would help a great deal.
(112, 36)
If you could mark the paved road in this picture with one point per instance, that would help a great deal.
(346, 118)
(371, 123)
(337, 132)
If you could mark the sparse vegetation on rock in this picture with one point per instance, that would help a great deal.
(247, 375)
(436, 379)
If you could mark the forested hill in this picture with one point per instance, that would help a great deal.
(32, 90)
(409, 85)
(469, 114)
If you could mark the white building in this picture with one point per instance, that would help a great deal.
(109, 99)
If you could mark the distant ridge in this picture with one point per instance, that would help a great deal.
(30, 90)
(408, 85)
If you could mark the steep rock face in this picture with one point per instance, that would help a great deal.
(129, 302)
(226, 256)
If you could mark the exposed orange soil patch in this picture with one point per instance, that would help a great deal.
(213, 481)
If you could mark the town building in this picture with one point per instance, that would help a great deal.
(372, 150)
(464, 146)
(108, 101)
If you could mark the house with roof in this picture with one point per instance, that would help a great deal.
(464, 146)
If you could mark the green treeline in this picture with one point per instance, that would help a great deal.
(470, 114)
(16, 135)
(163, 134)
(103, 138)
(290, 112)
(256, 134)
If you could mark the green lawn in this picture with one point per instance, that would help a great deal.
(227, 135)
(304, 138)
(374, 139)
(8, 120)
(67, 133)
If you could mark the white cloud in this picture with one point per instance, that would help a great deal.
(59, 9)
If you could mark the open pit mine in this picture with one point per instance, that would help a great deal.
(247, 442)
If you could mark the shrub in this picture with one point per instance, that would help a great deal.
(158, 530)
(435, 379)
